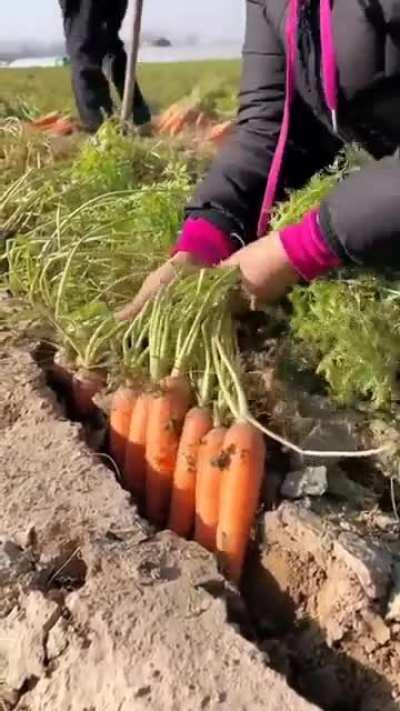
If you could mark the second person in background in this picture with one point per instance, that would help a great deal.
(91, 30)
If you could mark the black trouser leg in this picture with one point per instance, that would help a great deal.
(86, 37)
(118, 61)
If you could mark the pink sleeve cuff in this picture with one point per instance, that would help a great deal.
(306, 248)
(205, 241)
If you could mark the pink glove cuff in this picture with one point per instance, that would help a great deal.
(205, 241)
(306, 248)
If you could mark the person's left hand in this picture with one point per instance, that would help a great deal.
(265, 268)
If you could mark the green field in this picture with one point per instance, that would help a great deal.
(50, 89)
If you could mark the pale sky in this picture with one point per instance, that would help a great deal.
(209, 19)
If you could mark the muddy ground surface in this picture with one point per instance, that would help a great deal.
(96, 611)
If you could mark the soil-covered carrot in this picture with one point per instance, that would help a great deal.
(164, 425)
(197, 423)
(208, 483)
(85, 385)
(120, 419)
(244, 452)
(135, 456)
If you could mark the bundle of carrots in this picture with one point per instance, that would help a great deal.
(183, 116)
(189, 472)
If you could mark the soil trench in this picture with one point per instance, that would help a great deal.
(99, 611)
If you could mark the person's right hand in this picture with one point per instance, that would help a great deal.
(158, 279)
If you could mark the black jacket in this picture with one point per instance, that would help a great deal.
(361, 218)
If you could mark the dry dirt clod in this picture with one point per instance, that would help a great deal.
(370, 565)
(57, 640)
(380, 632)
(310, 481)
(22, 640)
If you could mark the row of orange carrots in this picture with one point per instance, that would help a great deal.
(197, 479)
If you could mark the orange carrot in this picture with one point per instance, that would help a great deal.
(176, 125)
(135, 457)
(242, 476)
(208, 484)
(165, 419)
(63, 127)
(86, 384)
(178, 388)
(186, 119)
(46, 121)
(169, 121)
(218, 132)
(197, 423)
(167, 115)
(120, 419)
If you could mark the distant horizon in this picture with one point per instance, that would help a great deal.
(178, 41)
(23, 23)
(178, 51)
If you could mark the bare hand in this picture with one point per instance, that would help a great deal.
(265, 269)
(158, 279)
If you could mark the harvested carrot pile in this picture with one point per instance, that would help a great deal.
(179, 368)
(178, 119)
(209, 115)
